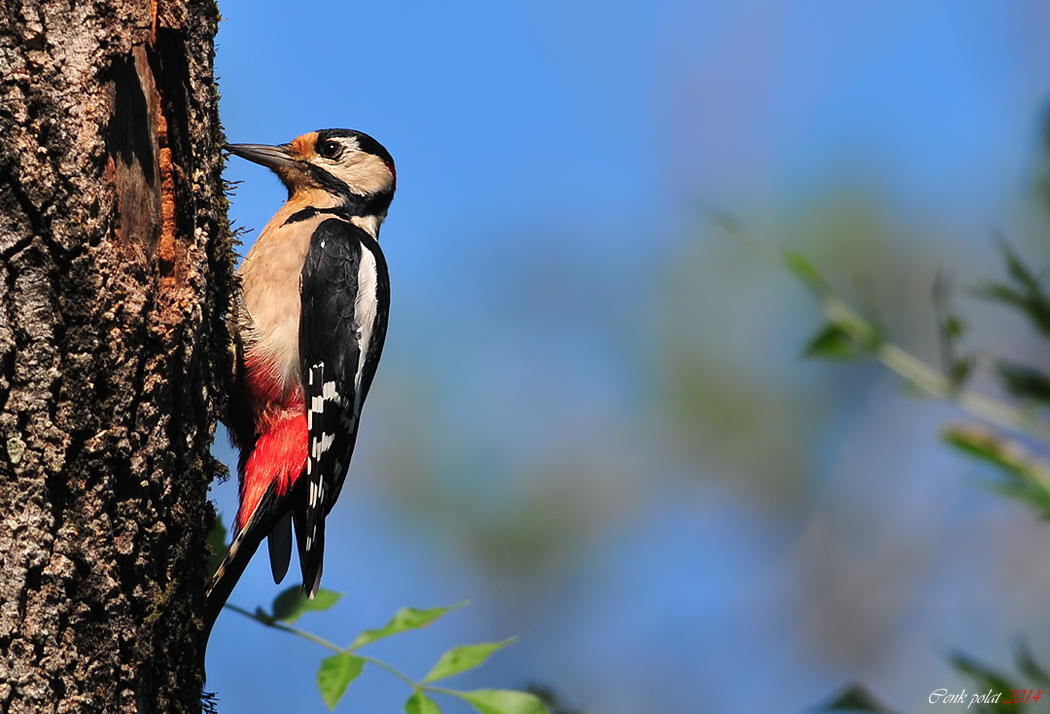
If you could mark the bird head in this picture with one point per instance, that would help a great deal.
(339, 168)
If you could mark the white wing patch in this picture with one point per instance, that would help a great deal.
(365, 305)
(322, 441)
(329, 397)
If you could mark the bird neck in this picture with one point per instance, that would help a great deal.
(369, 224)
(365, 212)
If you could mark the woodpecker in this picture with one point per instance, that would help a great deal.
(309, 328)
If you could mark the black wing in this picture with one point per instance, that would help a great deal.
(345, 294)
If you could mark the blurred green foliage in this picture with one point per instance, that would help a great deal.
(1007, 433)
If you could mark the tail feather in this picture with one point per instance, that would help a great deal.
(314, 564)
(247, 541)
(280, 547)
(311, 559)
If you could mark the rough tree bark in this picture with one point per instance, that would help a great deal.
(115, 262)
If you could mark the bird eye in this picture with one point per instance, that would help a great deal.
(330, 149)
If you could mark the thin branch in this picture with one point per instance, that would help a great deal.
(442, 690)
(270, 622)
(389, 668)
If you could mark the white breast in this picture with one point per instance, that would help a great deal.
(270, 287)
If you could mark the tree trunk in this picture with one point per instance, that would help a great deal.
(115, 268)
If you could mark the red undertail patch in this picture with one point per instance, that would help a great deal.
(279, 458)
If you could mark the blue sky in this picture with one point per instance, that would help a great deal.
(549, 253)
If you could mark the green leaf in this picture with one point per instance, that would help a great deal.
(335, 675)
(1025, 478)
(960, 371)
(954, 326)
(950, 327)
(1036, 497)
(999, 292)
(1027, 664)
(420, 703)
(1016, 268)
(854, 698)
(217, 544)
(551, 700)
(984, 444)
(407, 618)
(832, 342)
(1026, 294)
(864, 334)
(1024, 382)
(804, 270)
(503, 701)
(986, 679)
(460, 659)
(290, 605)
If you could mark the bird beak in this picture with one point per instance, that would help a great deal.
(275, 158)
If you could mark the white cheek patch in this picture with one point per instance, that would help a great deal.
(364, 174)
